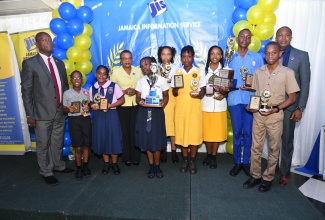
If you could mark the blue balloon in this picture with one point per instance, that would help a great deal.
(87, 86)
(91, 78)
(67, 127)
(246, 4)
(65, 40)
(239, 14)
(66, 151)
(236, 3)
(263, 44)
(67, 120)
(75, 27)
(58, 26)
(59, 53)
(231, 33)
(85, 14)
(67, 139)
(55, 42)
(67, 11)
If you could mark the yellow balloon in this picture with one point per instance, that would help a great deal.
(270, 18)
(76, 3)
(255, 44)
(240, 25)
(264, 31)
(84, 66)
(230, 144)
(88, 30)
(86, 55)
(73, 150)
(255, 15)
(268, 5)
(55, 13)
(236, 46)
(74, 54)
(69, 66)
(83, 42)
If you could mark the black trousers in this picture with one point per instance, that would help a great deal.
(127, 117)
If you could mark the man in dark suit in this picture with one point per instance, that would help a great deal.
(43, 81)
(298, 61)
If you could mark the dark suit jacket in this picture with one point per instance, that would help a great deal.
(37, 87)
(299, 63)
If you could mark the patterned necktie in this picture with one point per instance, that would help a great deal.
(58, 101)
(148, 127)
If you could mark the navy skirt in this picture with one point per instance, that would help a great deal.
(106, 132)
(155, 139)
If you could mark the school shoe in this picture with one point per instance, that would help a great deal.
(193, 169)
(251, 182)
(265, 186)
(175, 159)
(207, 160)
(51, 180)
(163, 156)
(116, 170)
(246, 168)
(86, 172)
(213, 164)
(65, 170)
(106, 168)
(235, 170)
(184, 166)
(152, 172)
(283, 181)
(78, 175)
(159, 173)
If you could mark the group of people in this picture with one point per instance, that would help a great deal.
(125, 124)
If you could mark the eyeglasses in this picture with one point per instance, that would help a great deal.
(76, 78)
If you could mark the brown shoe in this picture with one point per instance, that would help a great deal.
(283, 181)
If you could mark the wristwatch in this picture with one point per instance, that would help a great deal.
(300, 109)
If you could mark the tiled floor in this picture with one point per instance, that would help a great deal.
(313, 187)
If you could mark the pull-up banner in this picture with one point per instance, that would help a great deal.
(142, 26)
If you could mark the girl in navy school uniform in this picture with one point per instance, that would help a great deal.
(150, 121)
(106, 129)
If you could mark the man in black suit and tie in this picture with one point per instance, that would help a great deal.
(298, 61)
(43, 81)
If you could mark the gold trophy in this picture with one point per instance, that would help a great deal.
(85, 102)
(152, 100)
(194, 84)
(246, 77)
(229, 51)
(166, 70)
(265, 97)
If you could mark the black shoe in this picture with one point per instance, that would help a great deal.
(135, 163)
(235, 170)
(152, 172)
(246, 169)
(184, 166)
(159, 173)
(86, 172)
(163, 156)
(106, 168)
(116, 170)
(193, 169)
(175, 158)
(207, 160)
(213, 164)
(128, 163)
(265, 186)
(78, 175)
(251, 182)
(51, 180)
(66, 170)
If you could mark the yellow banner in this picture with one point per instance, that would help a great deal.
(25, 44)
(6, 70)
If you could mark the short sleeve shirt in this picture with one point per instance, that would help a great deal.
(144, 87)
(182, 70)
(72, 96)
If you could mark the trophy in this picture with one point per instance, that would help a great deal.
(265, 97)
(152, 99)
(166, 70)
(246, 77)
(229, 51)
(154, 68)
(194, 85)
(85, 102)
(101, 102)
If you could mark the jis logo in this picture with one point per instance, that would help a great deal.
(157, 7)
(30, 43)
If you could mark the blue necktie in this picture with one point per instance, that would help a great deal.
(101, 91)
(149, 119)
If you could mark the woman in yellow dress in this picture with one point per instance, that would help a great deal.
(188, 110)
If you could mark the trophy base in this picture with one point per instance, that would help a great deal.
(194, 93)
(85, 114)
(264, 110)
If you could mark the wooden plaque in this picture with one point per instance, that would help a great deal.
(103, 105)
(248, 80)
(255, 102)
(225, 73)
(178, 81)
(77, 107)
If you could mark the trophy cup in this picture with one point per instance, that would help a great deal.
(265, 97)
(152, 100)
(166, 70)
(194, 85)
(100, 102)
(229, 51)
(85, 102)
(246, 77)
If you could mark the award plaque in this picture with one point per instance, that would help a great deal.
(255, 102)
(209, 89)
(178, 81)
(103, 104)
(85, 102)
(76, 106)
(226, 73)
(248, 80)
(152, 100)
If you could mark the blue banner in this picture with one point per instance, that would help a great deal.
(142, 26)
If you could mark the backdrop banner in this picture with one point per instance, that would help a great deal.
(142, 26)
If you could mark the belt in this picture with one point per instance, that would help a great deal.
(269, 107)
